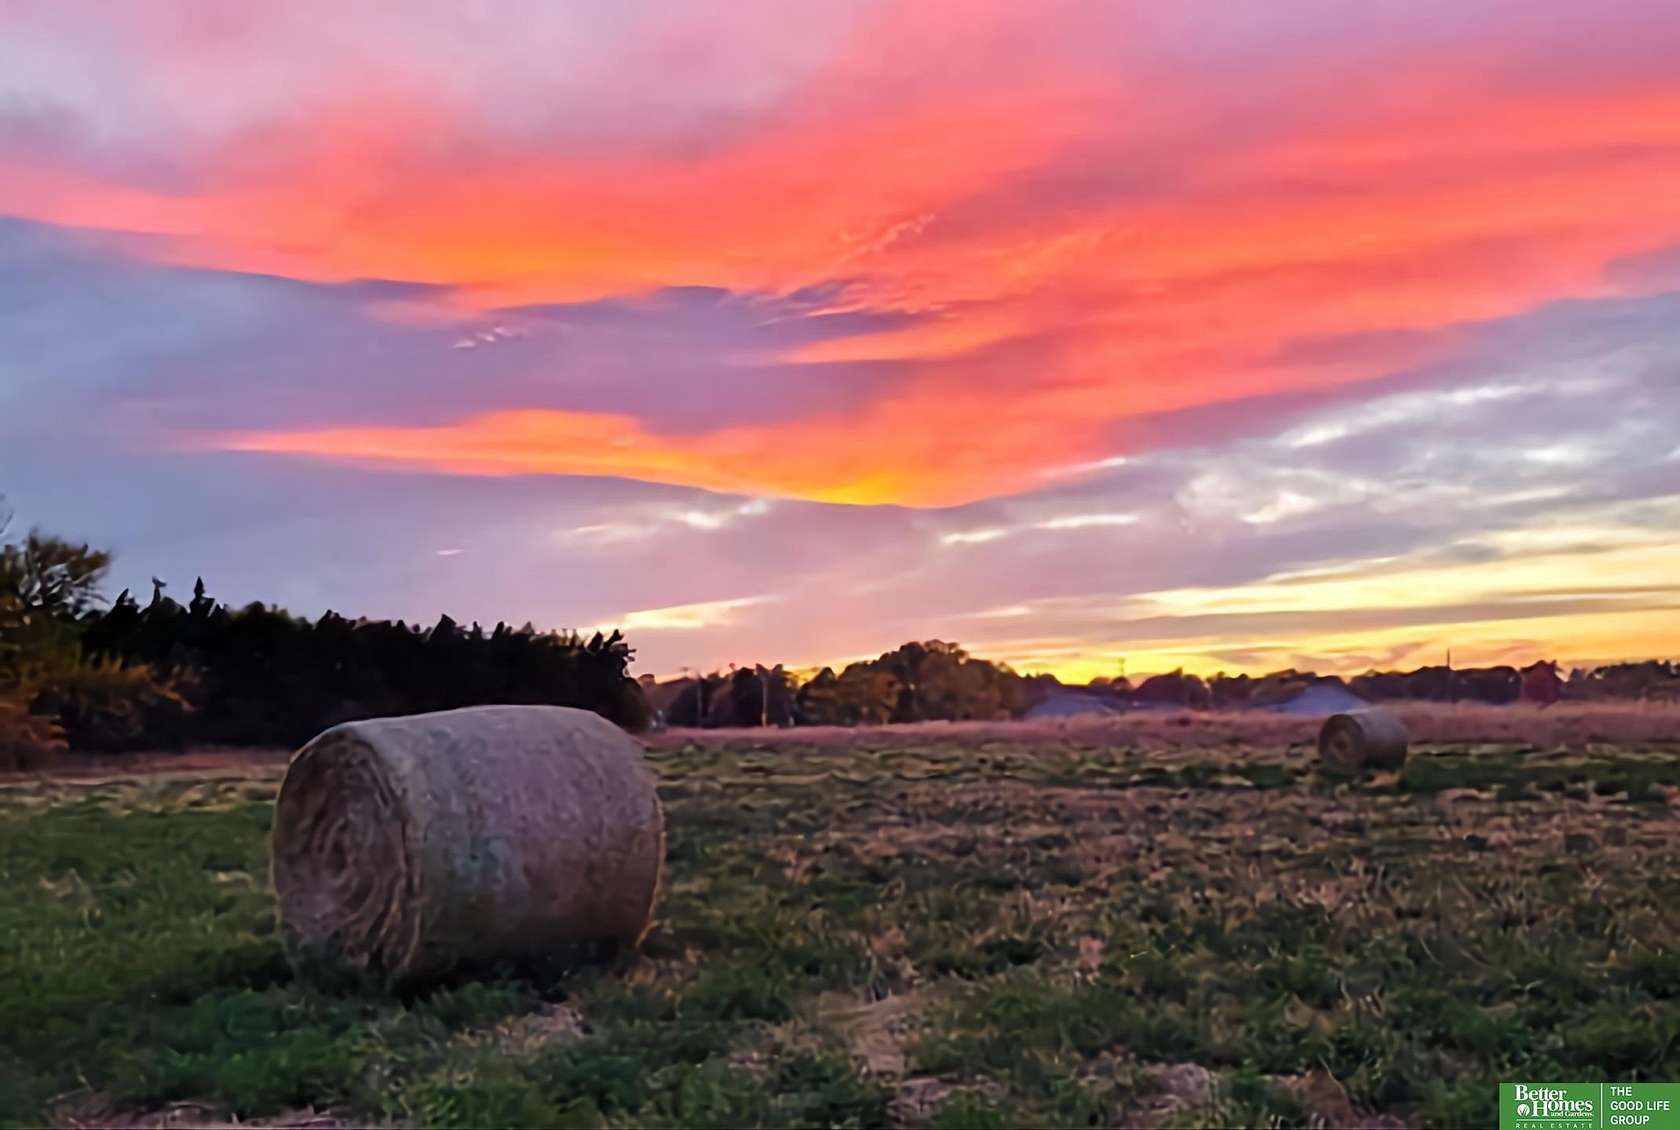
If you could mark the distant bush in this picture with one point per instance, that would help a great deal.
(1652, 679)
(104, 706)
(27, 740)
(1175, 689)
(918, 682)
(54, 693)
(746, 696)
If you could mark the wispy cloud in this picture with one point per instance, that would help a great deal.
(972, 537)
(690, 617)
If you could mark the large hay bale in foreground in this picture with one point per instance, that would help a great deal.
(1363, 739)
(403, 847)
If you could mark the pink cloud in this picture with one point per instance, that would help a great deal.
(1094, 216)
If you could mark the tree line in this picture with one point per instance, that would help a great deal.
(1497, 685)
(916, 682)
(77, 673)
(935, 680)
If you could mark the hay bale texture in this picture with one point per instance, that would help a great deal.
(405, 847)
(1363, 739)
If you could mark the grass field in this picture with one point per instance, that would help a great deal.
(1182, 924)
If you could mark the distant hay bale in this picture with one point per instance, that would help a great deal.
(403, 847)
(1363, 739)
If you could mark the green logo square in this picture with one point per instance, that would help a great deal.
(1589, 1106)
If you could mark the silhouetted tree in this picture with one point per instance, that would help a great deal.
(1175, 688)
(267, 676)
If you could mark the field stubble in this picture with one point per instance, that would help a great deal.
(1169, 921)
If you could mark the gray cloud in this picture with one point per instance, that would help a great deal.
(1560, 418)
(100, 339)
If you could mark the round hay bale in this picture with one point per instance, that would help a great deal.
(403, 847)
(1363, 739)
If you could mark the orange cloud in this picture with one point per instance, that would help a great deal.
(348, 199)
(819, 459)
(1047, 320)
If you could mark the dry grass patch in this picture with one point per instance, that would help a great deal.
(916, 927)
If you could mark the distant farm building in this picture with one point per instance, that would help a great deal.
(1072, 704)
(1321, 700)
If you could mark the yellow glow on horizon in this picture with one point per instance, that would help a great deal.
(1642, 569)
(1539, 576)
(1583, 638)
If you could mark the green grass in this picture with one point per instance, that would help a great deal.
(1019, 936)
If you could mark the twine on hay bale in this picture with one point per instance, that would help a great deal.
(1363, 739)
(404, 847)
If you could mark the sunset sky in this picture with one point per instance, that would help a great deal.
(1230, 334)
